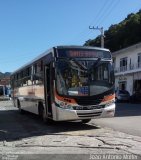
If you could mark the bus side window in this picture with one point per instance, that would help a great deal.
(29, 80)
(38, 73)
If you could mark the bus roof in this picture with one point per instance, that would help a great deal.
(81, 47)
(57, 47)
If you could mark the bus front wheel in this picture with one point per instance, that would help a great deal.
(86, 120)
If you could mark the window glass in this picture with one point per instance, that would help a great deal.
(38, 73)
(83, 78)
(123, 64)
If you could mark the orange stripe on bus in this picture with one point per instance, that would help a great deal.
(108, 98)
(69, 100)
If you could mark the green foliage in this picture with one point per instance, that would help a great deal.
(124, 34)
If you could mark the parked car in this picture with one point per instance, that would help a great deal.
(122, 95)
(136, 97)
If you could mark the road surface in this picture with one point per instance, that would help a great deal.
(127, 119)
(26, 137)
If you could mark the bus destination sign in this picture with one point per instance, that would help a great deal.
(83, 53)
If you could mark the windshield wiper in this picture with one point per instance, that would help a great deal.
(79, 64)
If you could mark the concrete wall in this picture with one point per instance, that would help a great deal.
(132, 54)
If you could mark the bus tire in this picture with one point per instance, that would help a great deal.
(19, 107)
(86, 120)
(41, 112)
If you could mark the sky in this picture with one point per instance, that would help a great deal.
(30, 27)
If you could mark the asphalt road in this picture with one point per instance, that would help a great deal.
(25, 135)
(127, 119)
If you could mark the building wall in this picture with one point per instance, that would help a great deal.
(5, 81)
(130, 54)
(130, 75)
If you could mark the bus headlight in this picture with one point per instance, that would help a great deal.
(109, 103)
(65, 105)
(62, 104)
(69, 106)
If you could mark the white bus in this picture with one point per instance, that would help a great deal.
(67, 83)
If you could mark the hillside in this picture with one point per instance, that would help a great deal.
(124, 34)
(3, 75)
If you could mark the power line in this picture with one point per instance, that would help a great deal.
(101, 29)
(113, 6)
(105, 9)
(100, 13)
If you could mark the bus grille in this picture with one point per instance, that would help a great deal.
(88, 101)
(94, 114)
(88, 107)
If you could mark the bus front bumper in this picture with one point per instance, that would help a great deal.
(66, 114)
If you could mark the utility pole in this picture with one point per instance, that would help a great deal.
(102, 34)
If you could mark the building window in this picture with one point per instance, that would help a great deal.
(139, 60)
(123, 64)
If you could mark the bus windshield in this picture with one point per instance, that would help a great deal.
(84, 77)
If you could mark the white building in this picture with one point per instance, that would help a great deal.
(127, 63)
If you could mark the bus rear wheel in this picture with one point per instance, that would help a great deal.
(41, 112)
(19, 107)
(86, 120)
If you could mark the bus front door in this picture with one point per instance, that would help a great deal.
(48, 90)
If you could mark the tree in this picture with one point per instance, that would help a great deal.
(124, 34)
